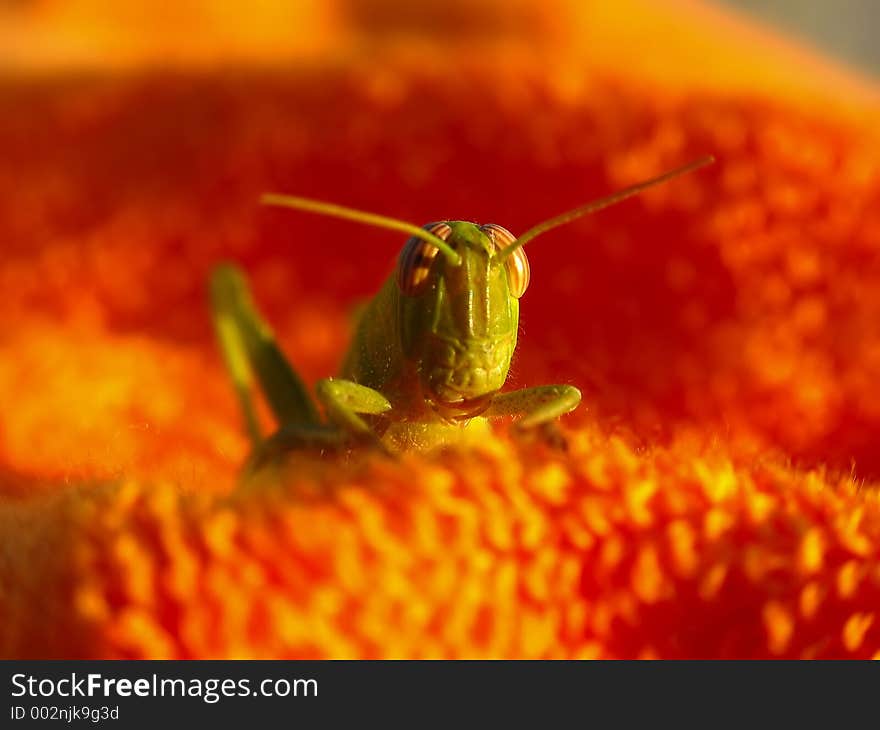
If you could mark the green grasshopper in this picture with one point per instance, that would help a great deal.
(431, 350)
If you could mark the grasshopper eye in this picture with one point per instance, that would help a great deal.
(517, 264)
(416, 259)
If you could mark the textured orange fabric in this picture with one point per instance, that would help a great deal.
(719, 498)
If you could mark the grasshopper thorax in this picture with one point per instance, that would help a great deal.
(458, 323)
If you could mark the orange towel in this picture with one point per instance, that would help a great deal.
(719, 498)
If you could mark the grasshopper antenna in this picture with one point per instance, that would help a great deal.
(597, 205)
(360, 216)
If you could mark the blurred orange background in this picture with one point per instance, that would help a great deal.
(719, 496)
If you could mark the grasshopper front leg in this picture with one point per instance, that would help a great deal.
(537, 408)
(345, 401)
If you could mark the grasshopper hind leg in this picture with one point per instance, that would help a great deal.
(251, 353)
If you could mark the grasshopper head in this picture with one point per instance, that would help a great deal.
(459, 311)
(458, 322)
